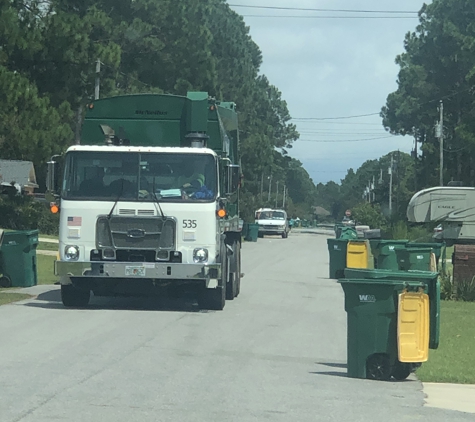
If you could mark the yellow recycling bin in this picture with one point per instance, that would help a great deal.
(413, 327)
(358, 254)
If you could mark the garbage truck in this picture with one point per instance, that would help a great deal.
(149, 200)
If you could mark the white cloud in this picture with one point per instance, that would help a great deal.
(329, 68)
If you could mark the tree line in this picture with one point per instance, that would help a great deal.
(437, 65)
(48, 54)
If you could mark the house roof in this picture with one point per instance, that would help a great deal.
(20, 172)
(321, 211)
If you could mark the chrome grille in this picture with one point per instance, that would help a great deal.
(139, 233)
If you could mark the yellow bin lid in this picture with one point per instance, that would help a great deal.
(413, 327)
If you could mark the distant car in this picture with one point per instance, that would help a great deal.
(273, 222)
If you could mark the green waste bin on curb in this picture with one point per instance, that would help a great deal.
(433, 290)
(18, 258)
(413, 258)
(348, 233)
(245, 230)
(371, 306)
(384, 252)
(439, 249)
(337, 250)
(252, 232)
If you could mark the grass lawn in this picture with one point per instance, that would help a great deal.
(47, 246)
(11, 297)
(45, 265)
(452, 362)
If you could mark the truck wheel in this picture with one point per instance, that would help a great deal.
(285, 235)
(237, 273)
(234, 286)
(73, 297)
(213, 299)
(227, 276)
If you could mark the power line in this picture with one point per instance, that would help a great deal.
(344, 140)
(324, 10)
(329, 17)
(335, 118)
(319, 119)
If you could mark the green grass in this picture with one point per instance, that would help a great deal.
(452, 362)
(11, 297)
(48, 246)
(45, 264)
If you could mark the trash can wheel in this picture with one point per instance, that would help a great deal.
(5, 281)
(401, 370)
(378, 367)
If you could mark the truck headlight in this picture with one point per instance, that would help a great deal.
(200, 255)
(71, 252)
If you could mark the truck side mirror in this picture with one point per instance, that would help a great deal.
(233, 178)
(52, 176)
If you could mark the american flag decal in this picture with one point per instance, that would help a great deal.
(74, 221)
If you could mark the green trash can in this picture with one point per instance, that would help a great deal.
(430, 279)
(384, 252)
(371, 306)
(413, 258)
(348, 233)
(245, 230)
(252, 232)
(18, 258)
(337, 250)
(437, 247)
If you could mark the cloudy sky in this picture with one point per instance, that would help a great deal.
(329, 65)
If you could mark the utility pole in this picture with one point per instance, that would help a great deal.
(441, 142)
(276, 193)
(374, 193)
(270, 183)
(98, 79)
(283, 198)
(262, 186)
(390, 171)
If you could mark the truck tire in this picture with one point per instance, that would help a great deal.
(237, 273)
(285, 235)
(232, 289)
(213, 299)
(227, 276)
(73, 297)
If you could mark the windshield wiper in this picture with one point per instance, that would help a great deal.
(157, 202)
(116, 201)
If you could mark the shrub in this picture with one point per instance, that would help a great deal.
(25, 213)
(446, 286)
(465, 290)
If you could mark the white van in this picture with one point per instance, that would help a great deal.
(272, 221)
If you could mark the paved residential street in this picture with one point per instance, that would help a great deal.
(276, 353)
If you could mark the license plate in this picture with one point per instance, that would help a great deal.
(135, 271)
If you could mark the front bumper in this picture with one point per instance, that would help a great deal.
(137, 270)
(274, 230)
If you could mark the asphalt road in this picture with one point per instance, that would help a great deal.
(276, 353)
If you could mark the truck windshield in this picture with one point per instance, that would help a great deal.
(134, 176)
